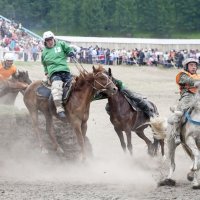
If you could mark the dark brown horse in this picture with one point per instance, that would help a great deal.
(76, 107)
(125, 118)
(9, 89)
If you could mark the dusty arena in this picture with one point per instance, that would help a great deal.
(108, 173)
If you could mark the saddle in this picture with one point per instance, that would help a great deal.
(44, 90)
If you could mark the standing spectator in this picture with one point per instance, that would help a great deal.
(34, 52)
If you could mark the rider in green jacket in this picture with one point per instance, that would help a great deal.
(56, 68)
(142, 103)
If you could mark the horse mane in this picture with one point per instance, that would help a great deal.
(22, 76)
(85, 77)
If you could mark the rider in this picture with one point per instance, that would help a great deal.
(56, 67)
(142, 103)
(186, 80)
(7, 69)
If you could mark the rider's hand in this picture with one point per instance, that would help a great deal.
(71, 54)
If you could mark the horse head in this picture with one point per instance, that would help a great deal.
(22, 76)
(103, 82)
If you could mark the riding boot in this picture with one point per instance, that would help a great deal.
(146, 107)
(59, 109)
(177, 138)
(177, 126)
(143, 104)
(57, 92)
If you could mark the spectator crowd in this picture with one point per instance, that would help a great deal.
(27, 47)
(14, 38)
(150, 57)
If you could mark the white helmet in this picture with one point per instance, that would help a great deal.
(187, 61)
(48, 34)
(9, 56)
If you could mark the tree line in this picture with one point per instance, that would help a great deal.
(117, 18)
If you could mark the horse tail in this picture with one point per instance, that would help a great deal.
(159, 127)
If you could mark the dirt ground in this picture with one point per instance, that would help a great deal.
(109, 174)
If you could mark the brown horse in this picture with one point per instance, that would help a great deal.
(76, 107)
(125, 118)
(9, 89)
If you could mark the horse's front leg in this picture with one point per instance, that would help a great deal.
(171, 156)
(80, 139)
(121, 138)
(51, 131)
(129, 143)
(192, 176)
(34, 117)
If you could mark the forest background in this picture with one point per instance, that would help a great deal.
(116, 18)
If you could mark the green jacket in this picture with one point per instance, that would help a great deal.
(54, 59)
(119, 84)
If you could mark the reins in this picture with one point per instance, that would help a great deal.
(83, 71)
(79, 66)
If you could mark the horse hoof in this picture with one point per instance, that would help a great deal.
(196, 187)
(167, 182)
(190, 176)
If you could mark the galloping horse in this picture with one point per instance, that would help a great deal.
(76, 107)
(11, 88)
(190, 141)
(125, 118)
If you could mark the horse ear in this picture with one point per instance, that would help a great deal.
(94, 69)
(109, 72)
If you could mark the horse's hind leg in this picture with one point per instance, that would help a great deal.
(121, 138)
(162, 144)
(148, 142)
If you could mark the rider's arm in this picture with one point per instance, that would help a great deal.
(185, 79)
(66, 48)
(44, 65)
(119, 84)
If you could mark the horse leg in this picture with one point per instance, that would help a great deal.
(129, 144)
(80, 139)
(171, 154)
(50, 130)
(34, 117)
(195, 152)
(121, 138)
(162, 145)
(147, 141)
(155, 144)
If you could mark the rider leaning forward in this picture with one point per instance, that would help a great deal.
(7, 69)
(56, 67)
(186, 80)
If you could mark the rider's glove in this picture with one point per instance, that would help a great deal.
(71, 54)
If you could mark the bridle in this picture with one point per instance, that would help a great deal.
(108, 82)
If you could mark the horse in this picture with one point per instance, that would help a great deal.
(125, 118)
(190, 141)
(10, 88)
(76, 106)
